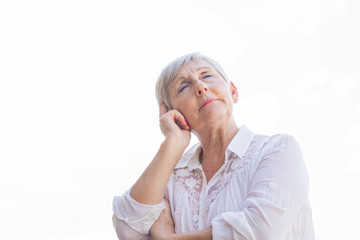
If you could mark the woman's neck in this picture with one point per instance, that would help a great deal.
(214, 141)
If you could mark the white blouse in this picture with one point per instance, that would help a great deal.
(259, 193)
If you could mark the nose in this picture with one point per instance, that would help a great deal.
(201, 89)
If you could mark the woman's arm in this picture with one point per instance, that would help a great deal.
(125, 232)
(133, 220)
(136, 210)
(204, 234)
(163, 228)
(150, 187)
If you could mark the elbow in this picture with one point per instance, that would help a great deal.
(124, 231)
(121, 232)
(116, 224)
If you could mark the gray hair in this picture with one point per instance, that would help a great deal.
(169, 73)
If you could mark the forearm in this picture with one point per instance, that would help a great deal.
(195, 235)
(150, 187)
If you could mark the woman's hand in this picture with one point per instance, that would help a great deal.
(174, 125)
(163, 228)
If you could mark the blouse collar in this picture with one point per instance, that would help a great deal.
(238, 145)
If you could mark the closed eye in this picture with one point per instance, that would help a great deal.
(206, 75)
(182, 87)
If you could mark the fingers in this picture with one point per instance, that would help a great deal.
(171, 117)
(181, 121)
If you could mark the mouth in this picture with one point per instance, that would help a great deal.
(206, 102)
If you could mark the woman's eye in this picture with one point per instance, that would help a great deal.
(206, 75)
(182, 88)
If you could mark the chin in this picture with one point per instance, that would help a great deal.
(219, 112)
(218, 117)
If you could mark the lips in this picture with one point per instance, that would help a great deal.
(207, 101)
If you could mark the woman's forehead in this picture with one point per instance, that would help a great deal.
(195, 64)
(192, 66)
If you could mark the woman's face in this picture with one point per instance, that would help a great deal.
(202, 95)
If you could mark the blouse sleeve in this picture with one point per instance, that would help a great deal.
(276, 194)
(133, 220)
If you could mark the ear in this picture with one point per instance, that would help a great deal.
(163, 109)
(234, 92)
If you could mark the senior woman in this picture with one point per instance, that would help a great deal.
(233, 184)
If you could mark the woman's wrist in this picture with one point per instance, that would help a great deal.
(176, 143)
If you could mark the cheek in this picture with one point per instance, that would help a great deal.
(187, 108)
(227, 94)
(179, 105)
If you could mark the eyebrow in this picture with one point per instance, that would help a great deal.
(184, 77)
(202, 68)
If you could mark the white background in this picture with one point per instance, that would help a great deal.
(79, 119)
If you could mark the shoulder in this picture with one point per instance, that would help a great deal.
(265, 142)
(250, 145)
(282, 152)
(280, 142)
(275, 151)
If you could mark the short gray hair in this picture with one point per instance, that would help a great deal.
(169, 73)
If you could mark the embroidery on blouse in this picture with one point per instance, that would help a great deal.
(192, 182)
(234, 164)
